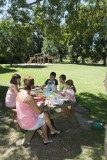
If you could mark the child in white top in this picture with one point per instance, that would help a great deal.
(70, 91)
(51, 82)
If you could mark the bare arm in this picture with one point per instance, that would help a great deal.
(14, 89)
(43, 86)
(63, 94)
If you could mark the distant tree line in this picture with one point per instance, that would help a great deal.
(62, 28)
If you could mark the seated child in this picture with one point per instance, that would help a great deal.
(62, 84)
(70, 91)
(10, 99)
(52, 82)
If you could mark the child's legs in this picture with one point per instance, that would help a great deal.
(13, 114)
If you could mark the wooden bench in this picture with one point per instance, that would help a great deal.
(28, 136)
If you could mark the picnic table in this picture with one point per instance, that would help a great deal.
(56, 105)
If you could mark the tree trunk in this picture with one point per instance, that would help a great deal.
(83, 60)
(104, 62)
(105, 142)
(60, 58)
(72, 60)
(104, 59)
(11, 60)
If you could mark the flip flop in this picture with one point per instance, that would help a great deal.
(56, 133)
(48, 142)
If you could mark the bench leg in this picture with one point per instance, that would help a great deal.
(70, 115)
(28, 137)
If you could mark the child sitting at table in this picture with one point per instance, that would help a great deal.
(62, 85)
(10, 99)
(52, 82)
(70, 91)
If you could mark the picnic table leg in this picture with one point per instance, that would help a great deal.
(28, 137)
(51, 114)
(70, 115)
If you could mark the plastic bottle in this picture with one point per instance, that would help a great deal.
(97, 125)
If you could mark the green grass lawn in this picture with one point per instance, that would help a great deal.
(87, 79)
(90, 93)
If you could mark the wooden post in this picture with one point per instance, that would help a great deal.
(43, 60)
(35, 58)
(70, 115)
(28, 137)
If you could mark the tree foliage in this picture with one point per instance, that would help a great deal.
(58, 27)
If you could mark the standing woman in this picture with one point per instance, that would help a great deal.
(10, 99)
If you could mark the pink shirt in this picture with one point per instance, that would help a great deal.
(70, 94)
(10, 99)
(25, 115)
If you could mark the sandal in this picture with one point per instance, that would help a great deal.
(48, 142)
(56, 133)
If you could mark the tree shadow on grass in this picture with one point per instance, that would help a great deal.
(97, 105)
(71, 144)
(3, 90)
(6, 70)
(93, 65)
(28, 66)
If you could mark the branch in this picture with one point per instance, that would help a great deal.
(30, 4)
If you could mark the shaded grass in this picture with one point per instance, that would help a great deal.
(97, 105)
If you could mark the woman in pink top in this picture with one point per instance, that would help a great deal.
(10, 99)
(29, 116)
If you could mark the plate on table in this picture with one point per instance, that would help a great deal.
(38, 99)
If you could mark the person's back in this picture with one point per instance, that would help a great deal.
(10, 99)
(25, 115)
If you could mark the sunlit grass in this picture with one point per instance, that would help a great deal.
(86, 78)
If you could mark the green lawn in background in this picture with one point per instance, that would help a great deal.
(87, 79)
(91, 94)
